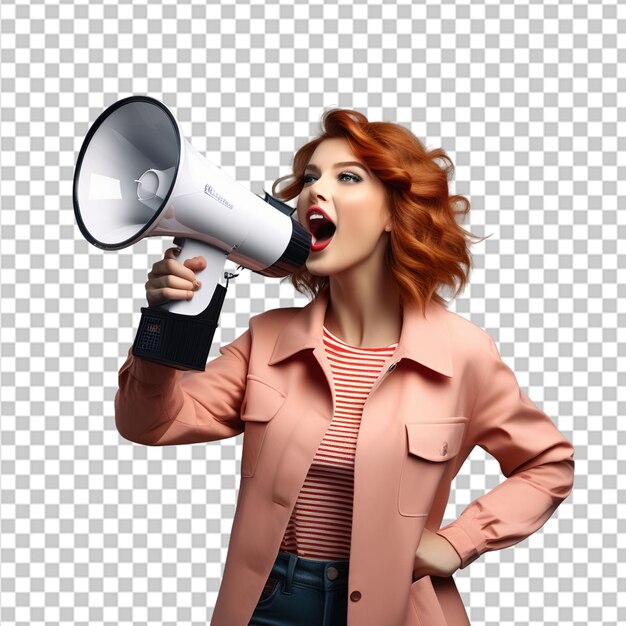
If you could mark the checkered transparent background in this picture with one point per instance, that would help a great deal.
(528, 100)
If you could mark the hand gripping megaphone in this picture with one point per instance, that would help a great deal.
(136, 176)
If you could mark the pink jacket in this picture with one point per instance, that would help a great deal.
(444, 391)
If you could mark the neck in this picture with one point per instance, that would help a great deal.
(364, 312)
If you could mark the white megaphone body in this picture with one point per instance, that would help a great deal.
(136, 176)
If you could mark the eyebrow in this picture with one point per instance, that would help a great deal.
(310, 166)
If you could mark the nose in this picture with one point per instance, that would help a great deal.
(316, 190)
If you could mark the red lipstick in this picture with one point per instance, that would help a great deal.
(316, 247)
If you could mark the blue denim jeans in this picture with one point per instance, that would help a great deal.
(304, 592)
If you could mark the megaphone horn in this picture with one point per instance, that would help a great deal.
(136, 176)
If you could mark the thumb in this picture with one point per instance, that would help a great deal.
(195, 262)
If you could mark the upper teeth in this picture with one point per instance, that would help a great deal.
(317, 216)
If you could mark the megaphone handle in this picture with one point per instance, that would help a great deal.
(209, 277)
(179, 333)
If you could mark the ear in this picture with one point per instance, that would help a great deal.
(388, 220)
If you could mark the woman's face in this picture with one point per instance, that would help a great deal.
(354, 201)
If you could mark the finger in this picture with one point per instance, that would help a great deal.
(177, 294)
(174, 282)
(172, 253)
(197, 263)
(159, 296)
(171, 267)
(161, 266)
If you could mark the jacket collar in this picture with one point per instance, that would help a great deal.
(425, 340)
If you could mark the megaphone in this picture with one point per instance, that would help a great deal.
(136, 176)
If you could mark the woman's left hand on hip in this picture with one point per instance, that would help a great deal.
(435, 556)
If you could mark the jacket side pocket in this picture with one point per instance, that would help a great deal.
(426, 603)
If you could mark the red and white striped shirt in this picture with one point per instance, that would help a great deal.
(321, 522)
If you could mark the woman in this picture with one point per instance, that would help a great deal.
(358, 409)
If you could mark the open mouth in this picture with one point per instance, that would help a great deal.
(321, 227)
(322, 230)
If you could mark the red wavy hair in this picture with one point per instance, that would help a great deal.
(428, 249)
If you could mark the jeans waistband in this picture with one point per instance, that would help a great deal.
(316, 573)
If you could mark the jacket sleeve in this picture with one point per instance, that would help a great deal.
(537, 460)
(158, 405)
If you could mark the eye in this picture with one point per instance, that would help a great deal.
(353, 177)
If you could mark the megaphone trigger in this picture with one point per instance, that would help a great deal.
(229, 275)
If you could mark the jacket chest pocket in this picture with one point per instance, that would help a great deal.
(260, 404)
(430, 447)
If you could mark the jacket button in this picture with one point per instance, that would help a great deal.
(355, 596)
(444, 448)
(392, 367)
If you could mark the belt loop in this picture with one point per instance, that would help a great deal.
(291, 566)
